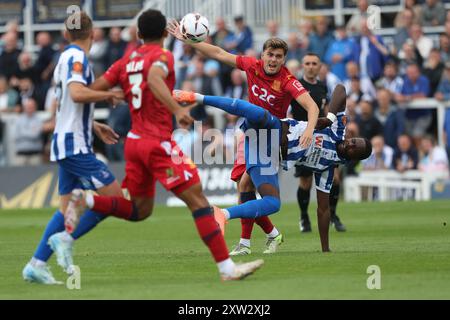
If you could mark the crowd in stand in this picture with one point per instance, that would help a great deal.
(381, 80)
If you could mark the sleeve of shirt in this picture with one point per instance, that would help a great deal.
(324, 179)
(166, 62)
(112, 75)
(295, 88)
(244, 62)
(77, 68)
(338, 127)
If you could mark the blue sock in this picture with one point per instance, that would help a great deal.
(88, 221)
(255, 208)
(55, 225)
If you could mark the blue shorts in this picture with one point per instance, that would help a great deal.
(83, 171)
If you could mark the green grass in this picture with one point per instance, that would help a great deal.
(163, 258)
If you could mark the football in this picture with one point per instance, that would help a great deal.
(194, 27)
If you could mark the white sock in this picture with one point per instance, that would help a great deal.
(226, 266)
(199, 97)
(37, 263)
(245, 242)
(89, 200)
(274, 233)
(67, 237)
(226, 213)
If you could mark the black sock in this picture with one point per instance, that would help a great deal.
(334, 198)
(303, 202)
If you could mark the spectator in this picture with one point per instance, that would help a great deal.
(25, 70)
(366, 84)
(119, 120)
(329, 78)
(433, 158)
(415, 86)
(381, 157)
(44, 64)
(273, 30)
(9, 56)
(8, 97)
(295, 48)
(433, 70)
(354, 24)
(133, 42)
(238, 90)
(409, 5)
(183, 63)
(27, 90)
(244, 36)
(391, 80)
(294, 67)
(306, 28)
(339, 53)
(433, 13)
(402, 34)
(116, 47)
(97, 54)
(352, 167)
(390, 118)
(224, 38)
(443, 90)
(444, 47)
(405, 156)
(369, 52)
(409, 55)
(321, 39)
(447, 132)
(423, 43)
(28, 136)
(368, 124)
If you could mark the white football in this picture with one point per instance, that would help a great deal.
(194, 27)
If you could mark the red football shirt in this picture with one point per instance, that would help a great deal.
(149, 117)
(273, 93)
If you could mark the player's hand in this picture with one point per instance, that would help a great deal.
(306, 139)
(106, 133)
(116, 97)
(323, 123)
(183, 117)
(173, 28)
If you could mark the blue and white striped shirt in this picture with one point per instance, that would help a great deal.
(73, 130)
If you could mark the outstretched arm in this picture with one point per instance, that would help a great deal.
(208, 50)
(337, 105)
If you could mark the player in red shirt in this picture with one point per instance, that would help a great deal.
(272, 87)
(147, 78)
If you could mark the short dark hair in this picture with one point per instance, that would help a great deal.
(313, 54)
(81, 31)
(152, 25)
(367, 150)
(276, 43)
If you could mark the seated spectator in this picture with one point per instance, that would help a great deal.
(391, 80)
(28, 136)
(433, 13)
(368, 124)
(443, 90)
(25, 70)
(381, 157)
(28, 90)
(433, 70)
(432, 157)
(444, 47)
(366, 85)
(415, 86)
(409, 55)
(405, 156)
(238, 90)
(390, 117)
(9, 99)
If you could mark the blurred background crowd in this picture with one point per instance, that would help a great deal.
(382, 82)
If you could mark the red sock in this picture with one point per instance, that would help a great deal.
(247, 228)
(265, 224)
(115, 206)
(210, 233)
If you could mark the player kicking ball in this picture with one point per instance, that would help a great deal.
(329, 148)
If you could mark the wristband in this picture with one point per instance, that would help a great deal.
(332, 117)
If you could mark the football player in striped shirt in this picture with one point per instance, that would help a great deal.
(329, 148)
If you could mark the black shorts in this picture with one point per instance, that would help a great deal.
(301, 171)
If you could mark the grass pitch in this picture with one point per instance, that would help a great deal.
(163, 257)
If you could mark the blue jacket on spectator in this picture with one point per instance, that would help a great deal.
(375, 59)
(422, 85)
(444, 88)
(393, 127)
(320, 44)
(244, 40)
(342, 47)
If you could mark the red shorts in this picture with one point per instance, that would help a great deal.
(239, 164)
(148, 160)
